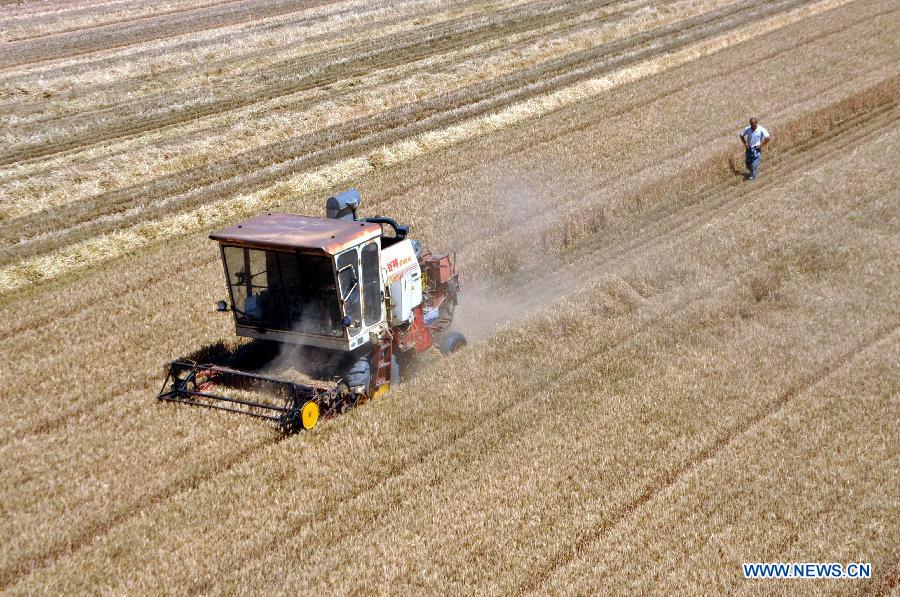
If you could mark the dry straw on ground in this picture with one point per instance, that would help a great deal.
(94, 250)
(671, 371)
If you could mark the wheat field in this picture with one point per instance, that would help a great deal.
(671, 371)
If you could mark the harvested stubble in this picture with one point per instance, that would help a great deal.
(197, 141)
(162, 25)
(20, 21)
(274, 152)
(552, 451)
(63, 260)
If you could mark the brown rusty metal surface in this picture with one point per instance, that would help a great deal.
(288, 231)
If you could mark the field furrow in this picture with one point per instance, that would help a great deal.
(247, 173)
(584, 542)
(822, 417)
(109, 36)
(290, 77)
(670, 370)
(169, 156)
(216, 44)
(79, 18)
(316, 47)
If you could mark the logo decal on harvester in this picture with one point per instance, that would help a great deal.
(394, 264)
(399, 268)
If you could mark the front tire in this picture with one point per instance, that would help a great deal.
(451, 342)
(360, 374)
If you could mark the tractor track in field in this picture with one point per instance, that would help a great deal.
(283, 64)
(255, 60)
(87, 63)
(823, 509)
(737, 431)
(152, 278)
(108, 37)
(325, 68)
(35, 123)
(831, 140)
(48, 7)
(855, 131)
(120, 518)
(527, 37)
(84, 64)
(346, 140)
(11, 573)
(115, 22)
(464, 165)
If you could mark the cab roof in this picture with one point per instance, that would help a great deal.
(288, 231)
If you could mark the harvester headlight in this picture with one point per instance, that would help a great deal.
(221, 306)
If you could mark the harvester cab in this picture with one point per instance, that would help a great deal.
(354, 299)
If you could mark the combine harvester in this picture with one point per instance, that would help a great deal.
(340, 296)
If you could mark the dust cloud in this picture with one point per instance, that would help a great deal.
(493, 301)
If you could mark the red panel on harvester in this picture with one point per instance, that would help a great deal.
(444, 269)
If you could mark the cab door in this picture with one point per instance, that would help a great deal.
(359, 277)
(347, 267)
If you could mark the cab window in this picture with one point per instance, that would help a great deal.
(371, 283)
(283, 291)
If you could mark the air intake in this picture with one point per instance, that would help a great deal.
(343, 206)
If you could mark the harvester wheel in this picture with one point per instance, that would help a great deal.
(309, 415)
(451, 342)
(360, 374)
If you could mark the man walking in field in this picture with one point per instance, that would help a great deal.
(754, 138)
